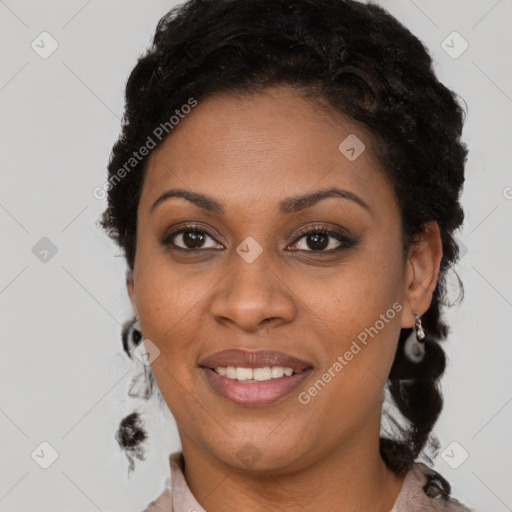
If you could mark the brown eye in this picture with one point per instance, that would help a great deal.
(189, 238)
(317, 240)
(193, 239)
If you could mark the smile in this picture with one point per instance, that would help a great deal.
(254, 378)
(252, 392)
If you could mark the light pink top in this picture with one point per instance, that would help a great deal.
(423, 490)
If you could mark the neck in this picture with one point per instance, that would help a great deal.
(347, 478)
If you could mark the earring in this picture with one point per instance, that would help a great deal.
(414, 347)
(141, 385)
(420, 334)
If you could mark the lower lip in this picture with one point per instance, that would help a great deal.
(255, 393)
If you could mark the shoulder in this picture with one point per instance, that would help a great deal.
(163, 503)
(425, 490)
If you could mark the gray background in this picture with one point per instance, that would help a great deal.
(64, 378)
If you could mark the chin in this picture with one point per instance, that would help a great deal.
(260, 453)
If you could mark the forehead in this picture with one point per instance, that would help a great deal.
(263, 147)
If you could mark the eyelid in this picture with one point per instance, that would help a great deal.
(345, 240)
(177, 230)
(322, 227)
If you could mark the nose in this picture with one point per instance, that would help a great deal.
(253, 295)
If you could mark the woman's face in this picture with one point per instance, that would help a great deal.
(331, 305)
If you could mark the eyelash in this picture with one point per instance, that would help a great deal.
(345, 241)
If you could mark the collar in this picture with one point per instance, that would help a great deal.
(423, 490)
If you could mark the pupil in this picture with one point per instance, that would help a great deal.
(320, 241)
(193, 238)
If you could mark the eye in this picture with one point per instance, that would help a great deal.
(318, 240)
(189, 238)
(192, 238)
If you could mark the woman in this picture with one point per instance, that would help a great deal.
(285, 190)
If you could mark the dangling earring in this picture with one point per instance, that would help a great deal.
(141, 385)
(414, 347)
(420, 333)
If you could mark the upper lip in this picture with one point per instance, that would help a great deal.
(253, 359)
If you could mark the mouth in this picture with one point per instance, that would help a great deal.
(254, 378)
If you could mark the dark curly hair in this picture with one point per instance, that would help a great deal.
(358, 60)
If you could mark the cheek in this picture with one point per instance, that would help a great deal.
(168, 316)
(354, 296)
(163, 295)
(167, 311)
(359, 310)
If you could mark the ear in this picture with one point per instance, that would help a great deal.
(422, 272)
(130, 286)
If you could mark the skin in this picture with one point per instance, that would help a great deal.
(251, 152)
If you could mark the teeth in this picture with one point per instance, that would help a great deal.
(254, 374)
(243, 373)
(262, 373)
(277, 371)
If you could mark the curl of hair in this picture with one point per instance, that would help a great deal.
(361, 62)
(130, 436)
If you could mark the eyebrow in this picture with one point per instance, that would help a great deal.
(290, 205)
